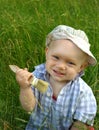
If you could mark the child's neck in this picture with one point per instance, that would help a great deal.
(56, 86)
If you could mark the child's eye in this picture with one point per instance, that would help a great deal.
(56, 57)
(71, 63)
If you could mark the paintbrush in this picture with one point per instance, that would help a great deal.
(41, 85)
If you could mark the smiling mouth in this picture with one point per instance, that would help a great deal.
(58, 73)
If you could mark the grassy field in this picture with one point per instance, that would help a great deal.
(24, 25)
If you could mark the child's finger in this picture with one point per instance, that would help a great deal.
(26, 69)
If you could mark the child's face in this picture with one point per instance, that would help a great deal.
(64, 60)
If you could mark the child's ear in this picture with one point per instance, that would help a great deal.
(46, 50)
(83, 66)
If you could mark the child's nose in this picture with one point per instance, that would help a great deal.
(62, 66)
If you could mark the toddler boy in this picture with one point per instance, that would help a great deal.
(69, 103)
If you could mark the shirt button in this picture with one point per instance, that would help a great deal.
(48, 94)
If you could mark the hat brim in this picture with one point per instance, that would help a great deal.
(91, 60)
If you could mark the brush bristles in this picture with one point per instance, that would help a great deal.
(40, 84)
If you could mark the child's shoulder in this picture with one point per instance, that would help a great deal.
(40, 71)
(83, 86)
(40, 67)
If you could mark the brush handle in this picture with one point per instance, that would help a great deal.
(15, 68)
(33, 80)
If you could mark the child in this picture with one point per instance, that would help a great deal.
(69, 103)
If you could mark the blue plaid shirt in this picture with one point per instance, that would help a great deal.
(74, 102)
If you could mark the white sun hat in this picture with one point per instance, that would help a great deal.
(78, 37)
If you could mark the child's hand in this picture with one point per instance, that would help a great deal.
(23, 78)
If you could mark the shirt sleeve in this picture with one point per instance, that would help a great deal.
(86, 108)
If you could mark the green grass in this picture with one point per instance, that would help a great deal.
(24, 25)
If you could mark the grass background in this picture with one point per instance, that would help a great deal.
(24, 25)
